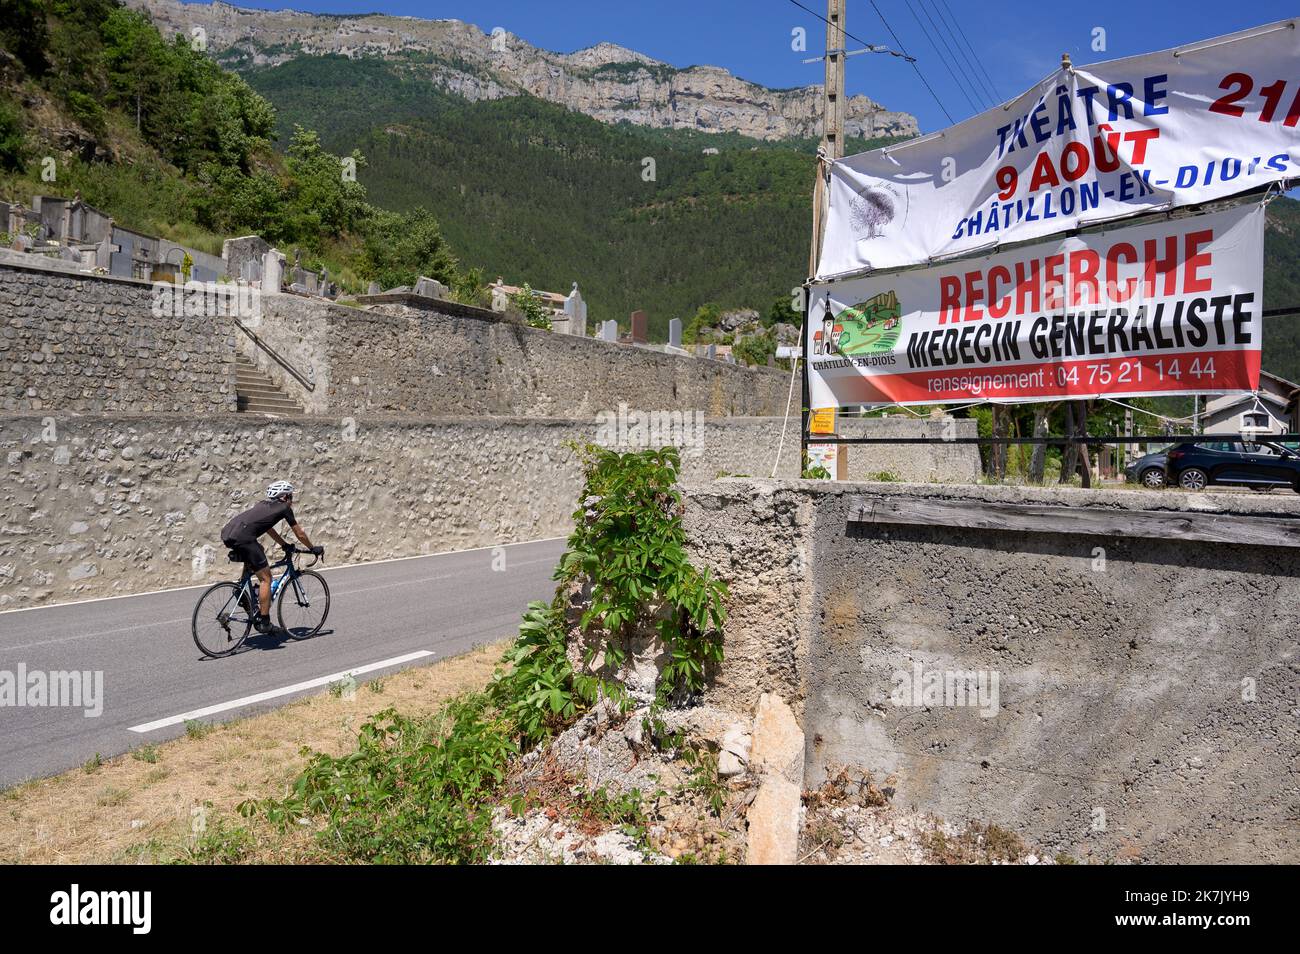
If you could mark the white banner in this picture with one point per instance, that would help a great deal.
(1087, 145)
(1166, 308)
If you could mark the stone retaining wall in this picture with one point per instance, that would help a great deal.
(94, 505)
(71, 342)
(424, 356)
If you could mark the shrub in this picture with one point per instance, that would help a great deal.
(413, 791)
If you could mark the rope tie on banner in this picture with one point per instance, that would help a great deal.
(794, 369)
(1140, 410)
(1276, 190)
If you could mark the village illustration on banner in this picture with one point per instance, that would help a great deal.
(869, 327)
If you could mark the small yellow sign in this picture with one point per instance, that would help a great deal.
(822, 421)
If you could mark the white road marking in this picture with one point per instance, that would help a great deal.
(276, 693)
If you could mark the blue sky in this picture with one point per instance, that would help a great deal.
(1018, 41)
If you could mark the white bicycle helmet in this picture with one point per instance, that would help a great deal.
(281, 488)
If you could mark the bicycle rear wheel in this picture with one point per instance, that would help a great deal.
(220, 624)
(302, 605)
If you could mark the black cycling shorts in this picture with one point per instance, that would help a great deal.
(250, 553)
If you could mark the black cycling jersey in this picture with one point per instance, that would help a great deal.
(256, 520)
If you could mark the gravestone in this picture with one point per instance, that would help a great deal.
(609, 330)
(675, 332)
(576, 310)
(372, 288)
(638, 327)
(711, 352)
(430, 288)
(272, 271)
(246, 248)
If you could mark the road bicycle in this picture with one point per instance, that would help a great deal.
(223, 617)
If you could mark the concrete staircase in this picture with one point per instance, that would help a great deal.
(256, 393)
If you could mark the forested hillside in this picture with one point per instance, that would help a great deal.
(640, 218)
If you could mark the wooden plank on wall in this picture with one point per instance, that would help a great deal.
(1097, 521)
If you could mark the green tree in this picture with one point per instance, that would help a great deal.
(755, 349)
(536, 314)
(400, 248)
(706, 316)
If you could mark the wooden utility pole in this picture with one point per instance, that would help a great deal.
(833, 92)
(832, 148)
(833, 104)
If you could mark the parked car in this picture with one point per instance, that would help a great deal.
(1149, 470)
(1261, 466)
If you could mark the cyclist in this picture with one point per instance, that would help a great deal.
(241, 534)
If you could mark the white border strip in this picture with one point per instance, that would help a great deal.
(319, 569)
(276, 693)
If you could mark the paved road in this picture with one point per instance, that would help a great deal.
(434, 606)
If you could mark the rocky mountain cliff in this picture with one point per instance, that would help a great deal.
(606, 81)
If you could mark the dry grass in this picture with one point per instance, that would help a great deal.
(142, 806)
(978, 844)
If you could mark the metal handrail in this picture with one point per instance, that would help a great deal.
(276, 357)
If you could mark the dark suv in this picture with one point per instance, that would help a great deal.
(1259, 466)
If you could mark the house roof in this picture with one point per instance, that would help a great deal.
(554, 297)
(1282, 394)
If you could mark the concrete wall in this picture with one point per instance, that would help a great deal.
(949, 463)
(73, 342)
(1121, 731)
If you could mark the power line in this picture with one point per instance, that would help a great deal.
(874, 48)
(946, 64)
(966, 66)
(992, 87)
(911, 60)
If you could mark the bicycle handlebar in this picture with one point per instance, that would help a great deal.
(317, 558)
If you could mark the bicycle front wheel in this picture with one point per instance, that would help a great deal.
(220, 624)
(302, 605)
